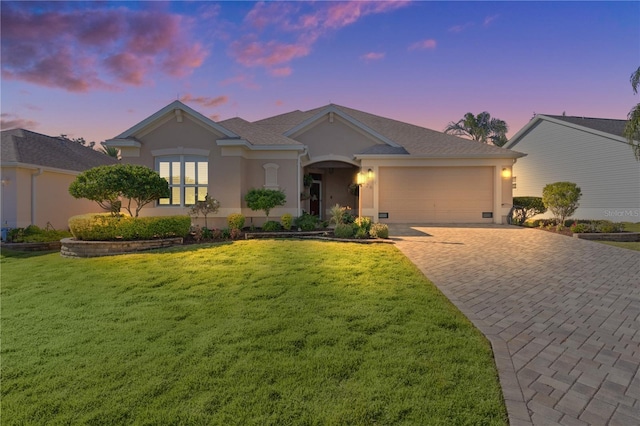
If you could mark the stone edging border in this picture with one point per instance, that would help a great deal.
(614, 236)
(50, 246)
(70, 247)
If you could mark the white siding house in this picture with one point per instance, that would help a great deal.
(588, 151)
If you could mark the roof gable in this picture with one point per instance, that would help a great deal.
(607, 128)
(331, 110)
(20, 146)
(177, 108)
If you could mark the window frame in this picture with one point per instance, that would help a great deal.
(183, 184)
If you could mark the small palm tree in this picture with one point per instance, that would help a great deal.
(481, 128)
(111, 151)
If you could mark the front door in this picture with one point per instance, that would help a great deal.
(315, 202)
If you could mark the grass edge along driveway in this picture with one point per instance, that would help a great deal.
(250, 332)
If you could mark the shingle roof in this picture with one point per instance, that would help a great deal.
(606, 125)
(415, 140)
(255, 134)
(26, 147)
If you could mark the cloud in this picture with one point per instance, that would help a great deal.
(243, 80)
(215, 117)
(280, 32)
(424, 44)
(257, 53)
(489, 19)
(280, 72)
(84, 50)
(205, 101)
(460, 28)
(12, 121)
(373, 56)
(279, 102)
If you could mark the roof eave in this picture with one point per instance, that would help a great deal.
(515, 155)
(246, 144)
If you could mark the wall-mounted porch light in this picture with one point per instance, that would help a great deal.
(5, 181)
(506, 172)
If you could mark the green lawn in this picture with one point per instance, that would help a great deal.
(251, 332)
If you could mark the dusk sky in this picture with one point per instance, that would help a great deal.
(94, 69)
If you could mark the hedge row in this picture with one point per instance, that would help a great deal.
(105, 227)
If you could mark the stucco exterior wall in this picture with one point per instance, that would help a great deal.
(339, 138)
(47, 192)
(604, 169)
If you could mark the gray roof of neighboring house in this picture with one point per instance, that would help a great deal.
(415, 140)
(606, 125)
(255, 134)
(26, 147)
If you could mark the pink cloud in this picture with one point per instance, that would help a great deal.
(279, 102)
(302, 23)
(280, 72)
(373, 56)
(95, 48)
(12, 121)
(241, 79)
(205, 101)
(215, 117)
(257, 53)
(424, 44)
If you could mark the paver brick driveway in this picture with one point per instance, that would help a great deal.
(562, 314)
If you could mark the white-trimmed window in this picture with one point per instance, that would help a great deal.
(188, 178)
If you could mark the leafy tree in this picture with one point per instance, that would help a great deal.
(562, 199)
(107, 184)
(526, 207)
(265, 199)
(632, 129)
(481, 128)
(206, 207)
(81, 141)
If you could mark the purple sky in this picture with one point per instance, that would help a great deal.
(94, 69)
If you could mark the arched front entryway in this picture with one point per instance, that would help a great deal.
(327, 183)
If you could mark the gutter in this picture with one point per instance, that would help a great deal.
(34, 175)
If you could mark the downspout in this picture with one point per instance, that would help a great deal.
(302, 154)
(34, 175)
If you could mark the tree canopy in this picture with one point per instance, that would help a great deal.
(561, 198)
(107, 184)
(481, 127)
(264, 199)
(632, 129)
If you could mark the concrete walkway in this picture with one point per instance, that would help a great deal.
(562, 315)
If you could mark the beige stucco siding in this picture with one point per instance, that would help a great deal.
(337, 138)
(436, 194)
(42, 197)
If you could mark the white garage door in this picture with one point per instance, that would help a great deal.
(436, 194)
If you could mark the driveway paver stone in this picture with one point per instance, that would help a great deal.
(562, 315)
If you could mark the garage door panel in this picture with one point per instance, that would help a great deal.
(436, 194)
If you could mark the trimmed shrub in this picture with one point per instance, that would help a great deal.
(561, 198)
(286, 220)
(580, 228)
(525, 208)
(35, 234)
(265, 199)
(105, 227)
(271, 226)
(344, 230)
(235, 221)
(379, 230)
(306, 222)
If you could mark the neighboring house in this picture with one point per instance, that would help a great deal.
(36, 173)
(588, 151)
(408, 173)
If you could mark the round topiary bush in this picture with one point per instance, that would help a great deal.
(271, 226)
(379, 230)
